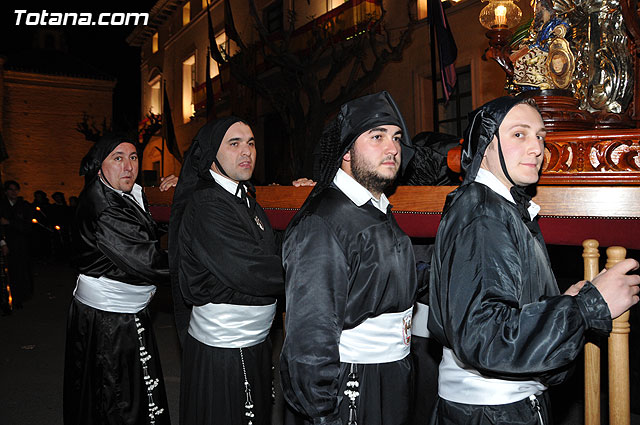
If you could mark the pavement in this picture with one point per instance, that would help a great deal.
(32, 350)
(32, 356)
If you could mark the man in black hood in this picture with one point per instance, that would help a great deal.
(351, 277)
(227, 273)
(494, 302)
(112, 364)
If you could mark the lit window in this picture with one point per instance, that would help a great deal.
(205, 3)
(332, 4)
(156, 101)
(154, 43)
(186, 13)
(422, 9)
(226, 46)
(223, 44)
(214, 71)
(188, 83)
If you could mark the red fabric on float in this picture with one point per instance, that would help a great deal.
(623, 232)
(556, 230)
(160, 213)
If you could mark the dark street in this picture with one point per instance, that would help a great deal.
(32, 350)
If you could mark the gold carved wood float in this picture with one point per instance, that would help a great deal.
(594, 157)
(590, 157)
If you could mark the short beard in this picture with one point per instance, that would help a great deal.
(368, 178)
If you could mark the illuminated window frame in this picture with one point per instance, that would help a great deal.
(154, 43)
(186, 13)
(188, 83)
(155, 98)
(332, 4)
(422, 8)
(221, 42)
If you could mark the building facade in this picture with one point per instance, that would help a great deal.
(42, 105)
(174, 50)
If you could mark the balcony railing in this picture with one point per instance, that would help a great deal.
(200, 94)
(341, 23)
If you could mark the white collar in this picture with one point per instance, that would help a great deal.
(227, 184)
(487, 178)
(358, 194)
(136, 192)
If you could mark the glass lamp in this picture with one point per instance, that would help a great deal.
(499, 17)
(500, 14)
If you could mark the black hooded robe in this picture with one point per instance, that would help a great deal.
(224, 253)
(226, 258)
(345, 264)
(104, 381)
(494, 299)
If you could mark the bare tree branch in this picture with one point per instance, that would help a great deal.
(296, 81)
(88, 128)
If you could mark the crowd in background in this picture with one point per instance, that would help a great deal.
(30, 231)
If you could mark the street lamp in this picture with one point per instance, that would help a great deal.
(499, 17)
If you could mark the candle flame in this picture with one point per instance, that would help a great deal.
(501, 15)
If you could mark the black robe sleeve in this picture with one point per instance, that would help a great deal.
(223, 241)
(127, 243)
(480, 286)
(317, 276)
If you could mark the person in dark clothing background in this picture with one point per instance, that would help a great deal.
(60, 216)
(112, 365)
(229, 272)
(351, 277)
(494, 302)
(429, 165)
(42, 228)
(15, 219)
(73, 202)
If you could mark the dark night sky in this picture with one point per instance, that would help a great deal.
(103, 47)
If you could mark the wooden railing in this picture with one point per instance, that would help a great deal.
(618, 349)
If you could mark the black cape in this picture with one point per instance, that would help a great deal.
(104, 380)
(225, 258)
(495, 302)
(493, 297)
(344, 264)
(222, 251)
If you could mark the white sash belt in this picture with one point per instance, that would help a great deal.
(111, 295)
(230, 325)
(419, 321)
(381, 339)
(461, 384)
